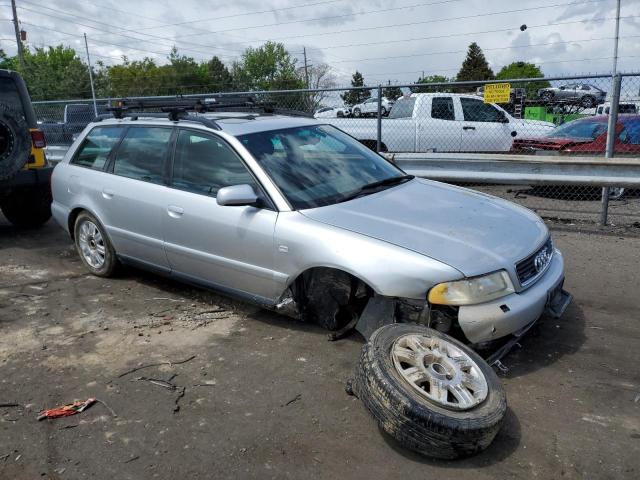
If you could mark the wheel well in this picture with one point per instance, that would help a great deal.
(71, 222)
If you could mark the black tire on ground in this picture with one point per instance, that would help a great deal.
(414, 421)
(547, 96)
(27, 207)
(327, 299)
(340, 114)
(356, 112)
(588, 101)
(111, 263)
(15, 142)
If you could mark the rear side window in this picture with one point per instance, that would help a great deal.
(478, 111)
(204, 164)
(96, 147)
(403, 108)
(442, 108)
(142, 154)
(9, 94)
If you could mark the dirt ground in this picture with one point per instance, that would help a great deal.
(264, 395)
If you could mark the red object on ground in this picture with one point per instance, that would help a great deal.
(67, 410)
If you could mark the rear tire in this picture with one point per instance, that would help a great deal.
(15, 142)
(405, 410)
(27, 207)
(588, 101)
(93, 246)
(356, 112)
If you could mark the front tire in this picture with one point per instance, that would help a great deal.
(93, 246)
(28, 207)
(429, 391)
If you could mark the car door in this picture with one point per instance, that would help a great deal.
(132, 195)
(227, 247)
(371, 106)
(484, 128)
(437, 128)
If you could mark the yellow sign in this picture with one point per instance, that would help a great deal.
(497, 93)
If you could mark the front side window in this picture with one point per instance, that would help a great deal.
(478, 111)
(142, 154)
(403, 108)
(96, 147)
(442, 108)
(316, 165)
(204, 164)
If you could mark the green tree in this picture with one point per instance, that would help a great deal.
(432, 79)
(391, 92)
(54, 73)
(182, 74)
(134, 78)
(523, 70)
(475, 66)
(268, 67)
(218, 76)
(352, 97)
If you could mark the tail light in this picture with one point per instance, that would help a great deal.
(38, 139)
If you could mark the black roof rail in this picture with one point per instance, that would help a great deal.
(177, 107)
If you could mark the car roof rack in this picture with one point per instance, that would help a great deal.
(178, 108)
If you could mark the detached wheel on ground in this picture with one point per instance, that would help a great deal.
(429, 391)
(547, 96)
(588, 101)
(27, 207)
(15, 142)
(357, 112)
(93, 246)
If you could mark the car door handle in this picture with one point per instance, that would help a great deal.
(174, 211)
(467, 127)
(106, 193)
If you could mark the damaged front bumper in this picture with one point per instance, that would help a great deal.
(511, 314)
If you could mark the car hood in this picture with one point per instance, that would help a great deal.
(537, 123)
(469, 231)
(549, 143)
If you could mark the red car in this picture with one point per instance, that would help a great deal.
(585, 136)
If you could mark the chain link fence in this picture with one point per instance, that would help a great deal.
(559, 118)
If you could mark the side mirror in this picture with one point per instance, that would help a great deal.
(237, 195)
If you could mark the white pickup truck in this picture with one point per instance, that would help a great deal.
(443, 122)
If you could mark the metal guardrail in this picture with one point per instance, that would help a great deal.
(521, 169)
(501, 169)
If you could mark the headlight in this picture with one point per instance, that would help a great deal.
(472, 290)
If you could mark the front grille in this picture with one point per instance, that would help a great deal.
(529, 269)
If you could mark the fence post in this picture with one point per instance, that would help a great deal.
(379, 129)
(616, 83)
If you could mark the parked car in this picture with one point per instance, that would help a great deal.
(586, 95)
(445, 122)
(624, 107)
(25, 173)
(76, 117)
(587, 136)
(370, 107)
(280, 210)
(332, 112)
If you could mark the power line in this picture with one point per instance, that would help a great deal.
(485, 49)
(424, 22)
(334, 17)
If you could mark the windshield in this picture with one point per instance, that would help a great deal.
(589, 129)
(316, 165)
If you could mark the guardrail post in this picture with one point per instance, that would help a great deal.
(379, 129)
(616, 83)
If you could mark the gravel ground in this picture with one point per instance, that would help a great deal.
(264, 395)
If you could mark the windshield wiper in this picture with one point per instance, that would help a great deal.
(375, 186)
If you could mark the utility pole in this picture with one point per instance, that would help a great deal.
(16, 27)
(93, 91)
(306, 68)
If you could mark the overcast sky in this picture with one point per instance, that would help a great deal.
(392, 40)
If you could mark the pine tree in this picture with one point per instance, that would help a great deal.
(352, 97)
(219, 77)
(391, 92)
(475, 66)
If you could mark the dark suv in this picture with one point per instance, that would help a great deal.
(25, 193)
